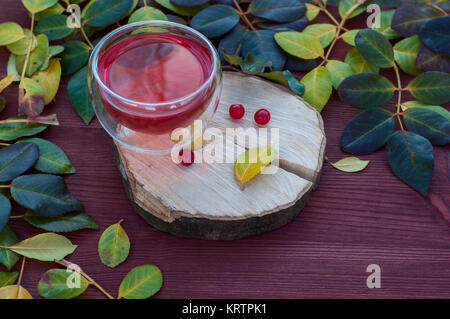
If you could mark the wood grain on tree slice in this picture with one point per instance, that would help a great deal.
(205, 200)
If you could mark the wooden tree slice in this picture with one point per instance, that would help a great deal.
(205, 200)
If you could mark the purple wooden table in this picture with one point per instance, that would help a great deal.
(351, 221)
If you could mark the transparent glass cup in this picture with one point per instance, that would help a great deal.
(148, 127)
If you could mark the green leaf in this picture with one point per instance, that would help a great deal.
(375, 48)
(296, 25)
(10, 32)
(278, 10)
(215, 20)
(322, 31)
(338, 71)
(141, 282)
(16, 159)
(254, 65)
(37, 57)
(262, 44)
(5, 82)
(312, 11)
(346, 5)
(54, 27)
(184, 11)
(435, 34)
(8, 278)
(318, 87)
(56, 8)
(114, 246)
(11, 68)
(74, 57)
(431, 61)
(45, 194)
(350, 165)
(52, 51)
(12, 131)
(350, 35)
(231, 59)
(64, 223)
(35, 6)
(408, 19)
(20, 47)
(49, 79)
(358, 63)
(411, 159)
(54, 284)
(431, 87)
(147, 13)
(189, 3)
(251, 162)
(300, 45)
(385, 25)
(5, 211)
(31, 98)
(44, 247)
(435, 108)
(102, 13)
(428, 123)
(405, 54)
(77, 89)
(367, 131)
(366, 90)
(52, 159)
(7, 257)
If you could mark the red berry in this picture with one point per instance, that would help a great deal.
(262, 117)
(237, 111)
(186, 157)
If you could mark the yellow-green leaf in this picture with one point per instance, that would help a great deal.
(318, 87)
(141, 282)
(251, 162)
(147, 13)
(358, 63)
(20, 47)
(35, 6)
(350, 164)
(14, 292)
(405, 54)
(350, 35)
(301, 45)
(114, 245)
(31, 97)
(311, 11)
(10, 32)
(5, 82)
(37, 57)
(44, 247)
(322, 31)
(49, 80)
(339, 71)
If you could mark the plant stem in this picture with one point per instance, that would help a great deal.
(400, 90)
(19, 281)
(17, 216)
(339, 28)
(30, 43)
(145, 3)
(86, 37)
(434, 5)
(244, 17)
(65, 263)
(5, 186)
(5, 144)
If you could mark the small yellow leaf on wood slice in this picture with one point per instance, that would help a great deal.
(252, 161)
(350, 164)
(14, 292)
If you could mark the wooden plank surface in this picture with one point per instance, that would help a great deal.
(351, 221)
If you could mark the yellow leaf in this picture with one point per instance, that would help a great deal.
(252, 161)
(49, 80)
(301, 45)
(350, 164)
(14, 292)
(5, 82)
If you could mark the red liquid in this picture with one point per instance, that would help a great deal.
(153, 69)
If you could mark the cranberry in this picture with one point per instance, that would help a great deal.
(237, 111)
(262, 117)
(186, 157)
